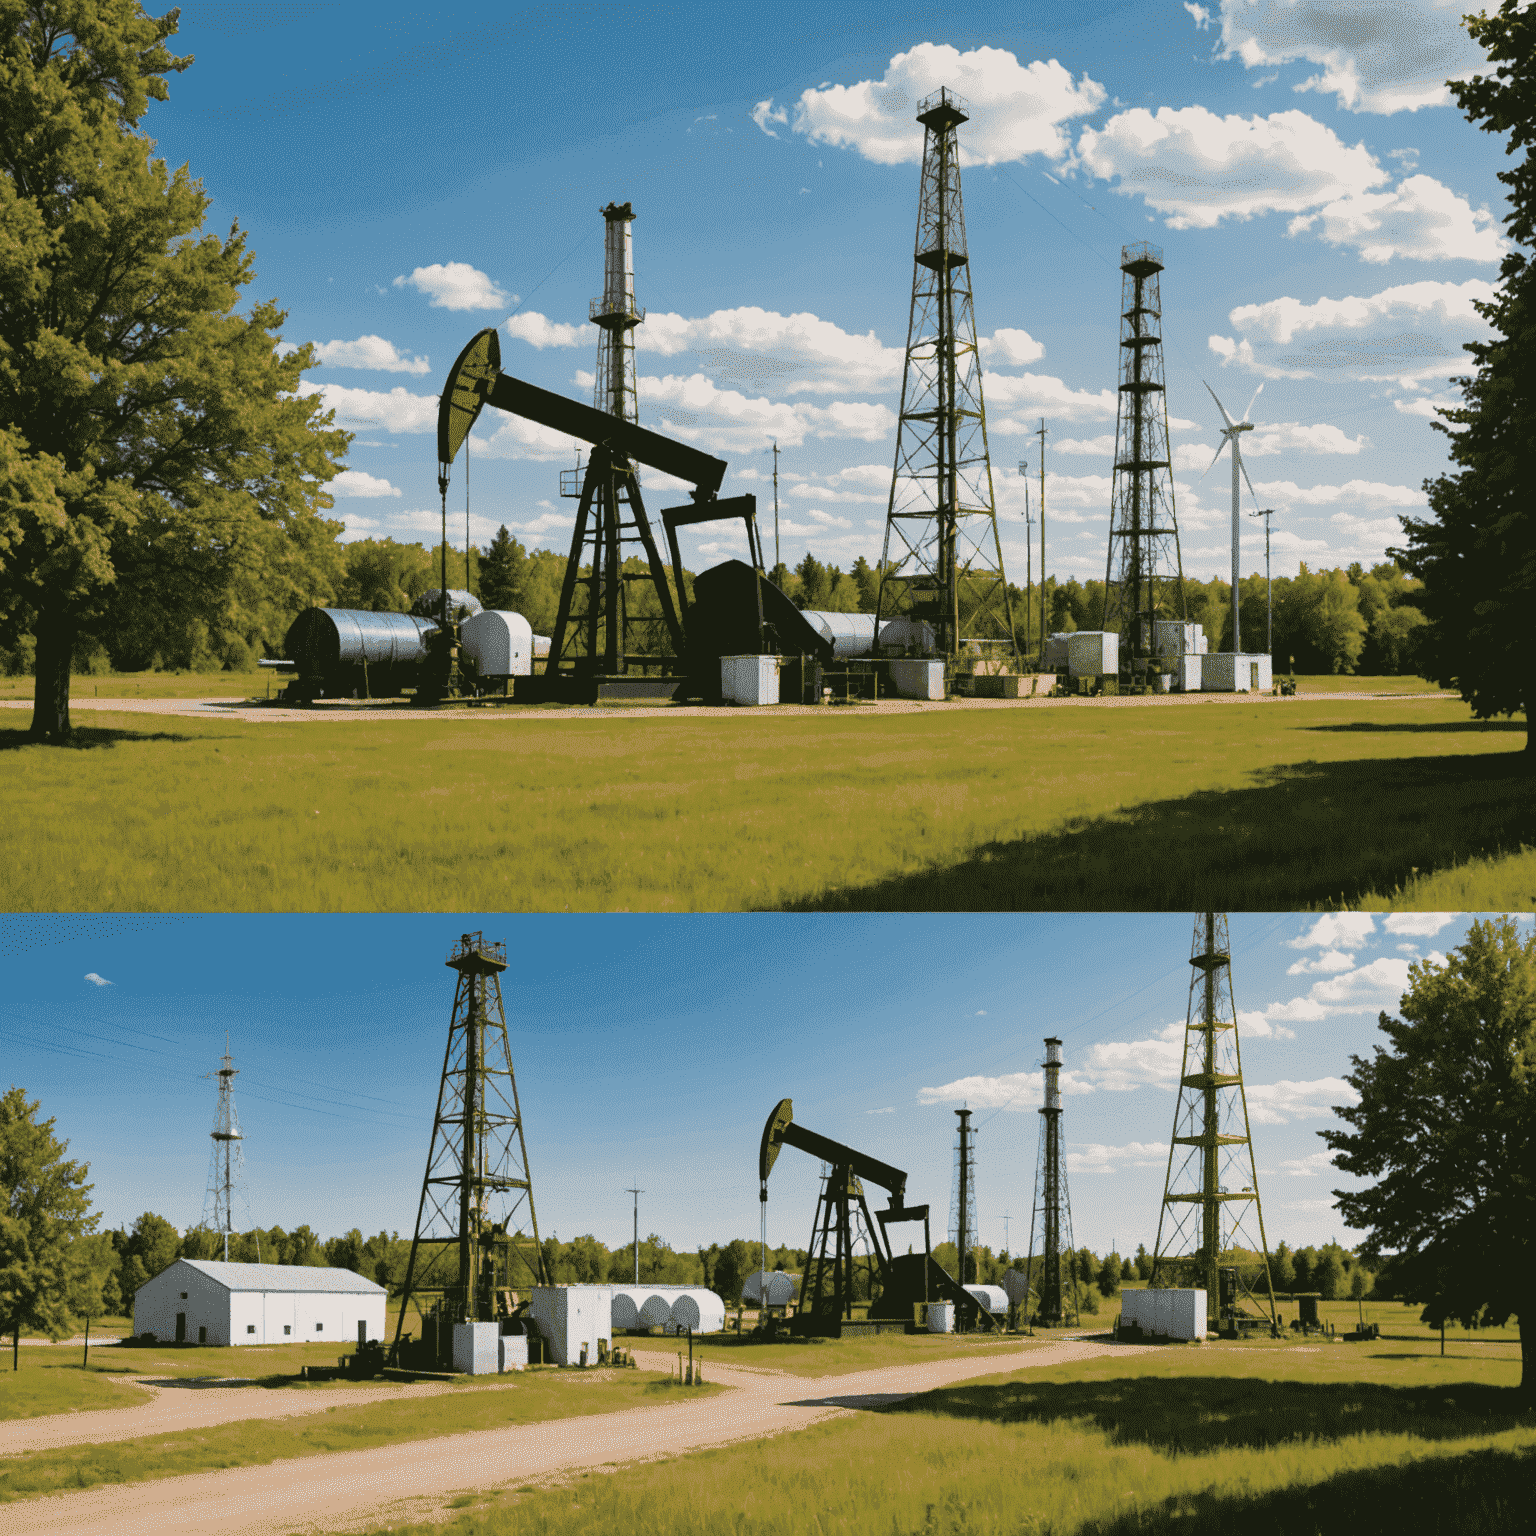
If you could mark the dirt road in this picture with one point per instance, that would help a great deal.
(411, 1481)
(274, 713)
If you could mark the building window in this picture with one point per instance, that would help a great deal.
(319, 1327)
(286, 1328)
(250, 1327)
(183, 1295)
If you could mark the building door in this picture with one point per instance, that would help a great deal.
(181, 1327)
(202, 1335)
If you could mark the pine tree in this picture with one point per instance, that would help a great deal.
(503, 571)
(1478, 555)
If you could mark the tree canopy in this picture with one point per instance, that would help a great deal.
(1477, 555)
(44, 1211)
(158, 464)
(1446, 1125)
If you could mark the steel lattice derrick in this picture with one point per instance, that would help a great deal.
(942, 559)
(1211, 1206)
(1144, 568)
(477, 1232)
(1053, 1277)
(226, 1168)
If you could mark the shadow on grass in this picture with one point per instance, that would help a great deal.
(1196, 1415)
(86, 738)
(1422, 727)
(1309, 834)
(1478, 1493)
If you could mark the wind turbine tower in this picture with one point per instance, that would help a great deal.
(1230, 435)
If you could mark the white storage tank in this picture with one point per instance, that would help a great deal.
(512, 1351)
(1093, 653)
(750, 679)
(1187, 673)
(626, 1310)
(1057, 648)
(916, 679)
(941, 1317)
(500, 644)
(699, 1310)
(779, 1286)
(476, 1351)
(655, 1311)
(993, 1298)
(908, 635)
(569, 1316)
(851, 634)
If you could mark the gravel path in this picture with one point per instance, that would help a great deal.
(413, 1481)
(235, 709)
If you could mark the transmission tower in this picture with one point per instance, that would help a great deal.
(1211, 1191)
(1144, 558)
(1054, 1281)
(594, 625)
(942, 560)
(962, 1195)
(477, 1234)
(226, 1168)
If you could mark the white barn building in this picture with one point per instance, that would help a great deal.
(204, 1301)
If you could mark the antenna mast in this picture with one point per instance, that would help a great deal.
(962, 1210)
(226, 1168)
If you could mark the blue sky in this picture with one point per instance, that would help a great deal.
(650, 1050)
(408, 176)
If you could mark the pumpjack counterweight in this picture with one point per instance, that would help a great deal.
(1211, 1218)
(1144, 572)
(942, 561)
(477, 1232)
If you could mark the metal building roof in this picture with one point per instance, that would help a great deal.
(282, 1277)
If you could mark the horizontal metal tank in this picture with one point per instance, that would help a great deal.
(322, 639)
(626, 1312)
(699, 1310)
(500, 644)
(993, 1298)
(851, 634)
(908, 635)
(460, 603)
(781, 1288)
(655, 1311)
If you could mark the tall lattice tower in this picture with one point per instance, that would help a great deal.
(477, 1234)
(962, 1195)
(1053, 1276)
(942, 560)
(226, 1167)
(596, 632)
(1144, 570)
(1211, 1191)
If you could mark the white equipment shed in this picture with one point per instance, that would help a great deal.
(204, 1301)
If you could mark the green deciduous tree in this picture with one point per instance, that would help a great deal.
(44, 1212)
(384, 576)
(158, 466)
(1446, 1126)
(1477, 555)
(151, 1246)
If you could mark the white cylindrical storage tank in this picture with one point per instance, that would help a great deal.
(908, 635)
(780, 1288)
(500, 644)
(700, 1310)
(993, 1298)
(626, 1312)
(851, 634)
(655, 1310)
(1016, 1285)
(541, 647)
(941, 1317)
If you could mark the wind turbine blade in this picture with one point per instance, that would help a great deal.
(1219, 406)
(1249, 412)
(1212, 465)
(1244, 469)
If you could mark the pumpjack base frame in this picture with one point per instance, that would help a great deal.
(846, 1328)
(566, 688)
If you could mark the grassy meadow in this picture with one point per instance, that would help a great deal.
(1265, 805)
(1201, 1440)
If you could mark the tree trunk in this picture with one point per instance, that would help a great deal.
(56, 633)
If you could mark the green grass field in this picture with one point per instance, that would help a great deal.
(837, 1357)
(1208, 1440)
(156, 685)
(534, 1397)
(1247, 806)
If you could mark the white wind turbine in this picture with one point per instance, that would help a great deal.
(1229, 435)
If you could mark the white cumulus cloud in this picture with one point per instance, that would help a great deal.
(395, 411)
(1279, 1103)
(1013, 1090)
(540, 331)
(1328, 963)
(1198, 168)
(456, 285)
(369, 352)
(1307, 1167)
(1094, 1157)
(1015, 109)
(1375, 55)
(1336, 930)
(1421, 218)
(1422, 925)
(97, 981)
(1010, 347)
(765, 112)
(356, 482)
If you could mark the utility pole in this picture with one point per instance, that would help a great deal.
(636, 1193)
(1269, 642)
(1042, 436)
(1029, 524)
(777, 562)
